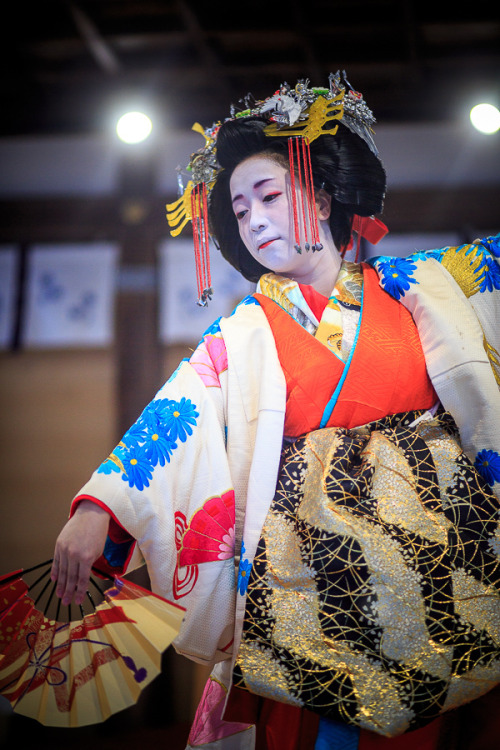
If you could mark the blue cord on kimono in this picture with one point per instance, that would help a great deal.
(332, 402)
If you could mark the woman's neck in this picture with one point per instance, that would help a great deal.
(324, 274)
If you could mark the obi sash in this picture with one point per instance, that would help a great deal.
(384, 374)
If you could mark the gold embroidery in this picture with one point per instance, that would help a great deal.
(463, 691)
(473, 603)
(466, 271)
(395, 489)
(374, 593)
(264, 675)
(494, 358)
(276, 288)
(334, 341)
(349, 285)
(342, 311)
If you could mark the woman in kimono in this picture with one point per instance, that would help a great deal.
(318, 484)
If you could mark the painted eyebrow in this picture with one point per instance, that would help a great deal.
(255, 187)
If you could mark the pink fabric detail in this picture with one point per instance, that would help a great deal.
(209, 360)
(208, 725)
(227, 545)
(210, 533)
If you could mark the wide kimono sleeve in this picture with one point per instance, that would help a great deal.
(167, 485)
(453, 294)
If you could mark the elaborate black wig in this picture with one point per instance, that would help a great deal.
(342, 164)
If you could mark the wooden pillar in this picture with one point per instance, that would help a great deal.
(138, 351)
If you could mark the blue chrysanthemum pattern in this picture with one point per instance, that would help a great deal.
(396, 275)
(213, 328)
(490, 275)
(492, 244)
(248, 300)
(244, 570)
(426, 255)
(151, 441)
(488, 465)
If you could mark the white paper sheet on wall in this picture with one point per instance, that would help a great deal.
(181, 319)
(9, 263)
(70, 295)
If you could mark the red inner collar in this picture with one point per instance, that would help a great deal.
(316, 301)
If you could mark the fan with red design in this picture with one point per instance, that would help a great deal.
(80, 672)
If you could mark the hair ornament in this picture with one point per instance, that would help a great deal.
(202, 169)
(309, 111)
(302, 113)
(179, 213)
(320, 114)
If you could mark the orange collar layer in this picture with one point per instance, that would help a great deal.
(385, 375)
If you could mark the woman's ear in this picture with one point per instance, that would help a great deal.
(323, 205)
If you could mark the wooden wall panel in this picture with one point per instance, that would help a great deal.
(58, 422)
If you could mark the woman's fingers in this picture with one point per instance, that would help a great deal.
(54, 571)
(79, 544)
(68, 584)
(66, 572)
(82, 578)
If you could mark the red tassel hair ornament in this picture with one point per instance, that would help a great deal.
(303, 197)
(201, 239)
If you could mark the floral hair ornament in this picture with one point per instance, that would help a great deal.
(301, 113)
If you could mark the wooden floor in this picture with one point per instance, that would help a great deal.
(475, 726)
(116, 734)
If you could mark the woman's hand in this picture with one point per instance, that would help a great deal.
(78, 546)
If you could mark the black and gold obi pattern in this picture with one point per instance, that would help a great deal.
(374, 596)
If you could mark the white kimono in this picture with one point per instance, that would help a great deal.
(216, 428)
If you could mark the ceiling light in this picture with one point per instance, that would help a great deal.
(134, 127)
(485, 118)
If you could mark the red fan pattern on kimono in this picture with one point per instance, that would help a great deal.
(208, 537)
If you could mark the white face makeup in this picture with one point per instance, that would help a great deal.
(261, 200)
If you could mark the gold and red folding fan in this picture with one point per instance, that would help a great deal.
(82, 671)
